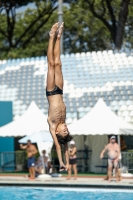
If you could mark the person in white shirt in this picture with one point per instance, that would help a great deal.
(42, 163)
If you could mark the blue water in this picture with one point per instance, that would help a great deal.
(22, 193)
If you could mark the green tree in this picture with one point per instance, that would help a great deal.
(82, 31)
(38, 44)
(17, 30)
(113, 14)
(103, 24)
(90, 25)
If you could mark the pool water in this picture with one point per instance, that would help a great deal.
(23, 193)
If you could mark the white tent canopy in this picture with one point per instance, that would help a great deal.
(33, 120)
(96, 125)
(100, 120)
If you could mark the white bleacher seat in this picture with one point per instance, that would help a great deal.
(125, 113)
(127, 119)
(123, 108)
(131, 114)
(88, 76)
(130, 107)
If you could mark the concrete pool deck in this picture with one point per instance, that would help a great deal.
(81, 182)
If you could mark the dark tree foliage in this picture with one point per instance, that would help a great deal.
(14, 3)
(113, 14)
(82, 31)
(38, 17)
(90, 25)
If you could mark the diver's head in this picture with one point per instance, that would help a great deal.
(62, 129)
(63, 134)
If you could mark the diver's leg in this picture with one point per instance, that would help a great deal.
(50, 58)
(75, 171)
(57, 60)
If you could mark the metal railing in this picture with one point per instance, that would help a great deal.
(127, 160)
(83, 160)
(17, 161)
(12, 161)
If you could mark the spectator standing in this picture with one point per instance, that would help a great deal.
(72, 160)
(31, 151)
(113, 151)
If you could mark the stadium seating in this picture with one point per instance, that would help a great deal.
(87, 77)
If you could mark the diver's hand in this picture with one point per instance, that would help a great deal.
(63, 167)
(67, 167)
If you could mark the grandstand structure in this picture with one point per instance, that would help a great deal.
(87, 77)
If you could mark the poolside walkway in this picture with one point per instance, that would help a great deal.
(81, 182)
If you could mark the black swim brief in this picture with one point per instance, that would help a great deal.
(55, 91)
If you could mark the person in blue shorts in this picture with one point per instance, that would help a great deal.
(31, 151)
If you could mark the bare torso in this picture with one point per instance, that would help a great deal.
(113, 150)
(56, 111)
(71, 154)
(31, 150)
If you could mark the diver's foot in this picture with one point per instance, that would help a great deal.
(53, 30)
(109, 180)
(62, 168)
(68, 178)
(60, 30)
(75, 178)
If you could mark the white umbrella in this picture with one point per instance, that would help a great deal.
(42, 136)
